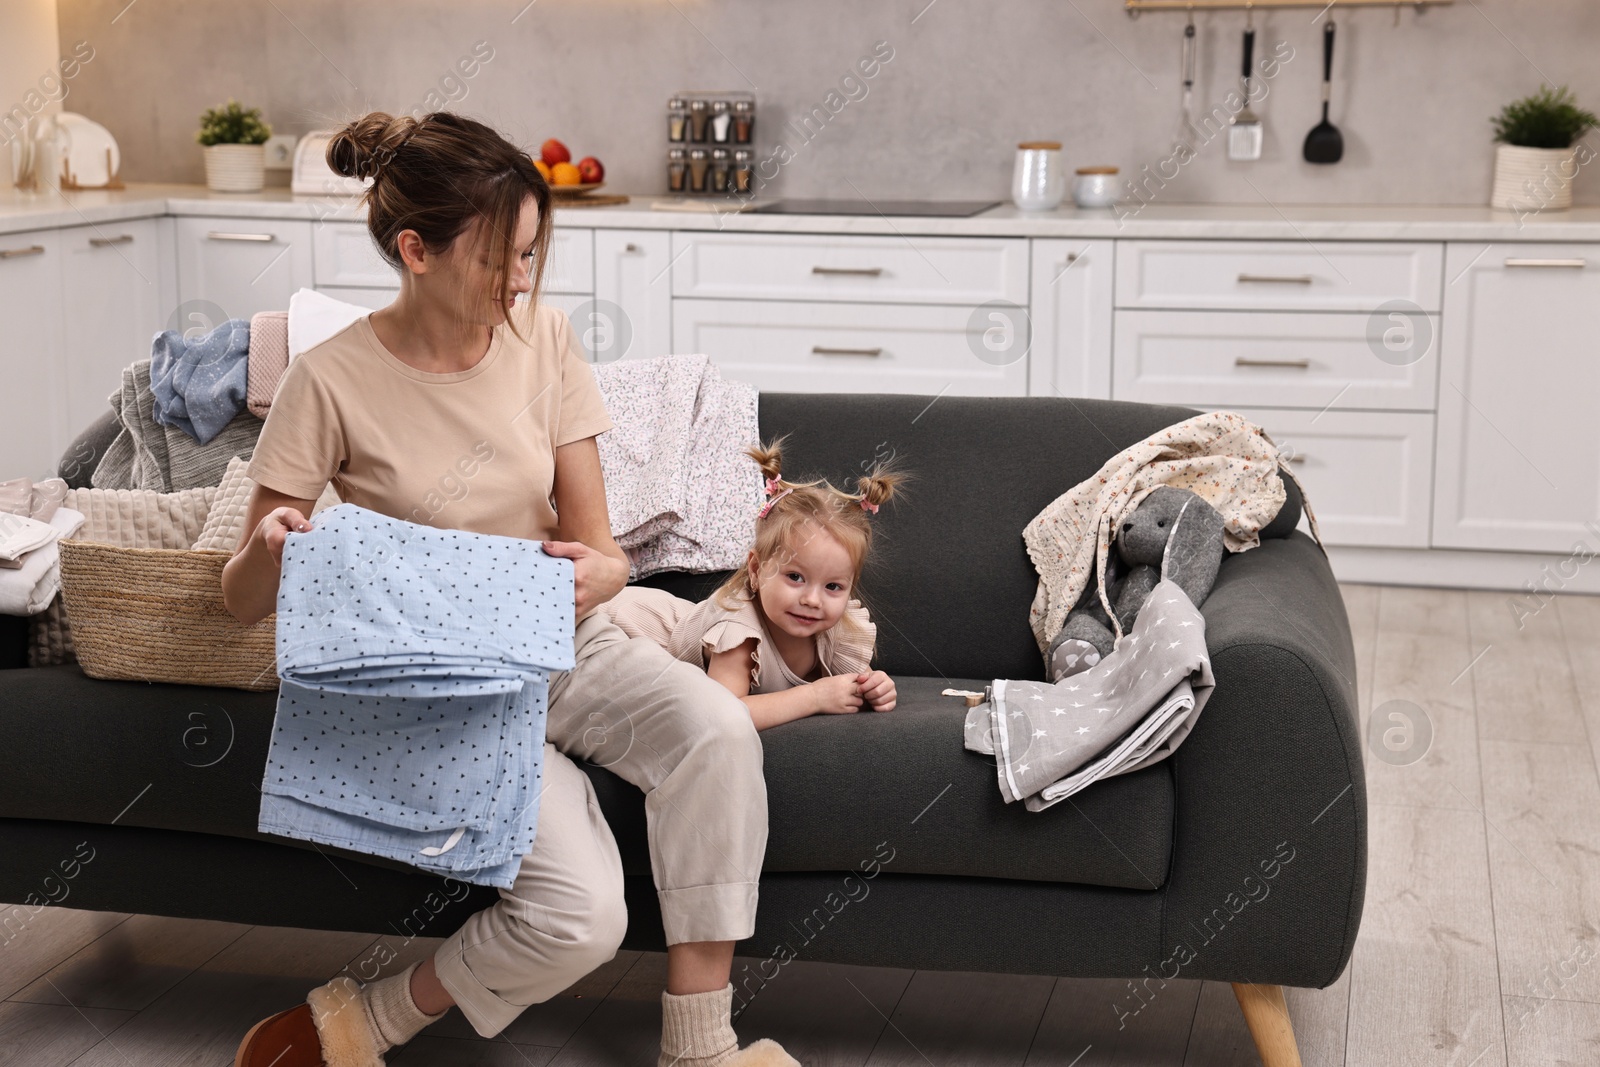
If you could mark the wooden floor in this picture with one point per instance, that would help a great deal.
(1480, 944)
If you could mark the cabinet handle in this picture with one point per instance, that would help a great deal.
(1276, 279)
(120, 239)
(821, 350)
(17, 253)
(217, 235)
(1296, 458)
(860, 272)
(630, 247)
(1578, 262)
(1295, 364)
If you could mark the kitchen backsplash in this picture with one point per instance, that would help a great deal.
(955, 84)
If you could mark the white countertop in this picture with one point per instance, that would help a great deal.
(50, 209)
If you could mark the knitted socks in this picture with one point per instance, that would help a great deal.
(396, 1018)
(697, 1029)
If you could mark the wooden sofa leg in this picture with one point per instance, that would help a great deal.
(1268, 1018)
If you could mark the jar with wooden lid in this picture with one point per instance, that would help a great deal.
(1038, 182)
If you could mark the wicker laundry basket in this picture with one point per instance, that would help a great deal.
(156, 615)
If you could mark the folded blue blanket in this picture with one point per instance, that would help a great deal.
(199, 384)
(414, 667)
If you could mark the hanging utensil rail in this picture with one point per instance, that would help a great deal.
(1133, 7)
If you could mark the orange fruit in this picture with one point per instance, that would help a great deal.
(565, 174)
(543, 169)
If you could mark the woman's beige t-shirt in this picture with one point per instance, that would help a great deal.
(469, 450)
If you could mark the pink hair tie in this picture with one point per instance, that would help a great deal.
(772, 484)
(768, 506)
(865, 506)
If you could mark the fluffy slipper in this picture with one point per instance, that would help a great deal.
(343, 1025)
(763, 1053)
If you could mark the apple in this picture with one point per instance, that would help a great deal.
(553, 152)
(591, 170)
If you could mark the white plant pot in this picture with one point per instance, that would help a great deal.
(1533, 179)
(236, 168)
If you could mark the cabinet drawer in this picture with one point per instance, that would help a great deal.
(919, 270)
(1268, 359)
(1368, 474)
(239, 266)
(845, 348)
(1273, 275)
(343, 255)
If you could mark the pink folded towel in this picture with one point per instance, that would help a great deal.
(269, 358)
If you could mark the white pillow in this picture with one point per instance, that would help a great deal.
(314, 317)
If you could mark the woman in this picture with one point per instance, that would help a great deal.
(457, 407)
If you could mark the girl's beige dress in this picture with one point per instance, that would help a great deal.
(691, 632)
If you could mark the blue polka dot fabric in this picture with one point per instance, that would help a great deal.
(413, 672)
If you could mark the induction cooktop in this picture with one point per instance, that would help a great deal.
(951, 209)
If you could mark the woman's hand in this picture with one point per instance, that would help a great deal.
(596, 577)
(877, 689)
(275, 527)
(838, 694)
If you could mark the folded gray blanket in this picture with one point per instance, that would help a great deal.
(199, 383)
(147, 455)
(1130, 710)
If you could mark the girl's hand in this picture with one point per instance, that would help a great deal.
(596, 577)
(877, 689)
(838, 694)
(274, 529)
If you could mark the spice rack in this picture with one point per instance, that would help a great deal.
(711, 143)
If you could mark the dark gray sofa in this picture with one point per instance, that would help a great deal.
(1241, 859)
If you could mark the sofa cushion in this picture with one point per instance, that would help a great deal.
(191, 758)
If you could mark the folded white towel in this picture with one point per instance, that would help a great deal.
(29, 589)
(314, 317)
(20, 535)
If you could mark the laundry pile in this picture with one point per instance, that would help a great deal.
(681, 492)
(414, 667)
(32, 520)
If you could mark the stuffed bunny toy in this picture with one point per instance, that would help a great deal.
(1172, 526)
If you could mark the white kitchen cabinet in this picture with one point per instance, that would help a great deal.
(1070, 305)
(633, 273)
(32, 419)
(1271, 359)
(344, 256)
(1367, 474)
(847, 268)
(1277, 275)
(793, 346)
(235, 267)
(112, 292)
(570, 268)
(1519, 397)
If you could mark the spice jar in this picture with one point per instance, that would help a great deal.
(677, 170)
(677, 119)
(719, 170)
(743, 171)
(721, 121)
(744, 121)
(697, 121)
(699, 162)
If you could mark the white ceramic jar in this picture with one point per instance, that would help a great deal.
(1095, 187)
(1038, 182)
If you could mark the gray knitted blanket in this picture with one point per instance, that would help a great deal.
(148, 455)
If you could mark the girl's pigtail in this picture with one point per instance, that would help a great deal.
(878, 487)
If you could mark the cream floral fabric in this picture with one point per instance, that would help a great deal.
(1228, 461)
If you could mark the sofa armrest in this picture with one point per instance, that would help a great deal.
(1270, 836)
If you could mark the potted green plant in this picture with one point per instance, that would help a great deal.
(233, 137)
(1536, 158)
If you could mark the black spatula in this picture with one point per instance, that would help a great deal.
(1325, 144)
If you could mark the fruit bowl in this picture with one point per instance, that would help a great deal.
(574, 190)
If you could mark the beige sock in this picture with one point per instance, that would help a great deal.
(396, 1018)
(697, 1028)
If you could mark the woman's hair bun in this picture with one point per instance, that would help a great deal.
(362, 148)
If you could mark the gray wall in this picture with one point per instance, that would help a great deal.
(969, 78)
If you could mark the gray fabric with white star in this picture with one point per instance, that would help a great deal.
(1128, 711)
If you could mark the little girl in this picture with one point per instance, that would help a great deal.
(783, 633)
